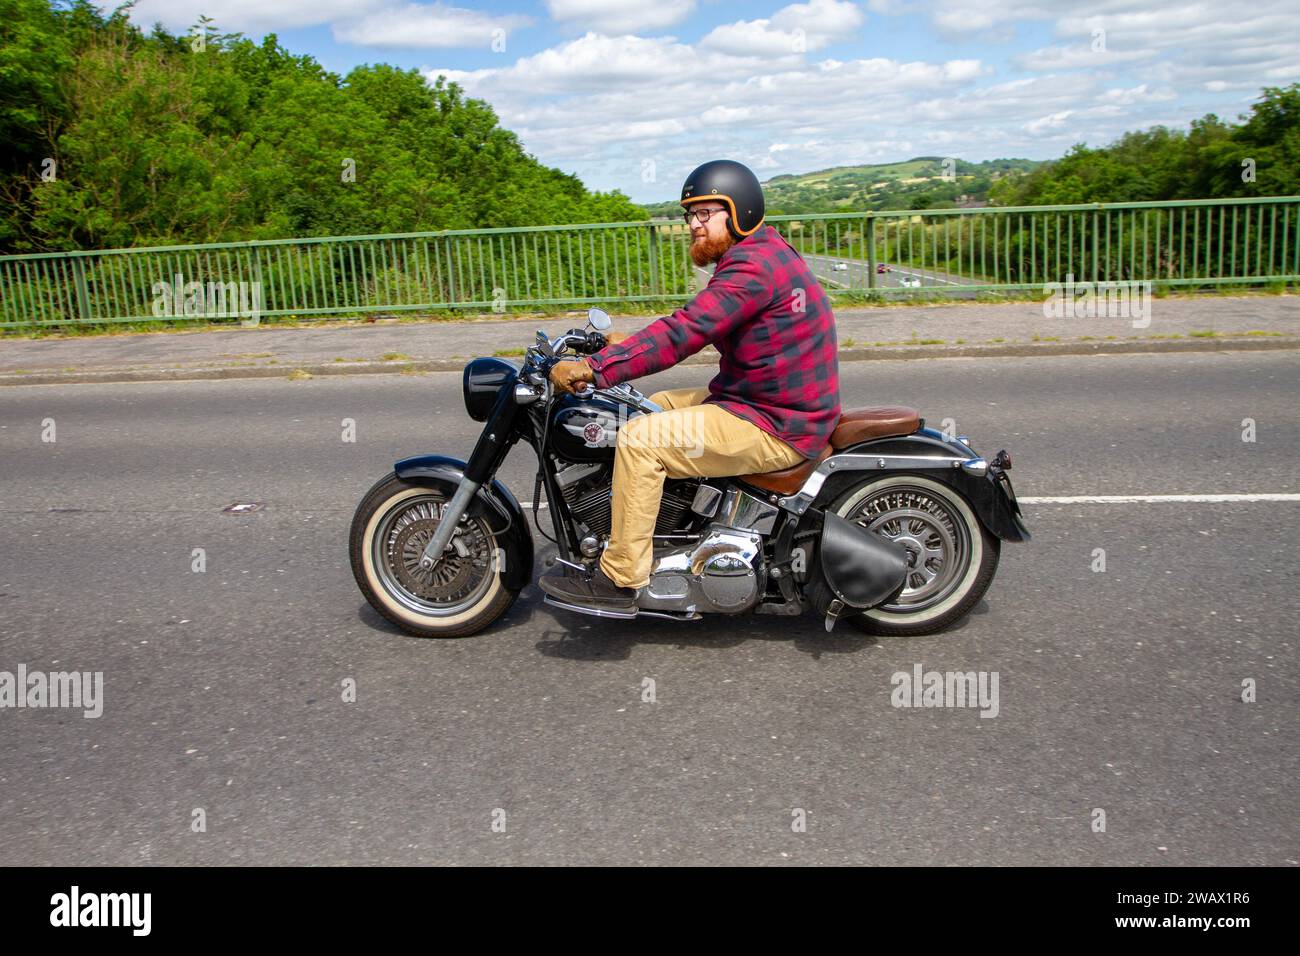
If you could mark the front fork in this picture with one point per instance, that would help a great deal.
(490, 450)
(451, 516)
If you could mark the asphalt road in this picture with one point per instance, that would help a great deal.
(1118, 691)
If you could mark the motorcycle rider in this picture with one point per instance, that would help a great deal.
(773, 403)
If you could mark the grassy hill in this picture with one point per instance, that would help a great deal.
(918, 183)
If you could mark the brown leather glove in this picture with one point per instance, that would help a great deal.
(613, 338)
(567, 376)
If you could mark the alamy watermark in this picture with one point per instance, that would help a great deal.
(75, 908)
(211, 300)
(1107, 300)
(683, 430)
(922, 688)
(80, 690)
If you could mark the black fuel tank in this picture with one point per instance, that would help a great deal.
(586, 430)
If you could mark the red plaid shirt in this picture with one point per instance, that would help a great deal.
(767, 314)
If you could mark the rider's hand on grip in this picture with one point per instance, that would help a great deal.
(569, 376)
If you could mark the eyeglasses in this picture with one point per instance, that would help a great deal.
(701, 214)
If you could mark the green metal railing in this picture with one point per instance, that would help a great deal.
(1185, 243)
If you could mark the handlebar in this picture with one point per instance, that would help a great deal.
(584, 342)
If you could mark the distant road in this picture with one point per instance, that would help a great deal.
(857, 276)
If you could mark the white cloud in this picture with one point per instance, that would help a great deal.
(889, 8)
(602, 103)
(726, 114)
(590, 63)
(380, 24)
(246, 15)
(1051, 121)
(1078, 58)
(1135, 95)
(963, 20)
(425, 26)
(620, 16)
(1189, 43)
(798, 28)
(959, 71)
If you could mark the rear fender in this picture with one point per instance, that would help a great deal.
(990, 497)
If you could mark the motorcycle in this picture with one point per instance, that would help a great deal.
(895, 526)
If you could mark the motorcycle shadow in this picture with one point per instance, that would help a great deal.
(568, 635)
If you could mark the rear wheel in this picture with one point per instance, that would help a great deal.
(461, 595)
(951, 557)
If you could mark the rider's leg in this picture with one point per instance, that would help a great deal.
(693, 441)
(680, 397)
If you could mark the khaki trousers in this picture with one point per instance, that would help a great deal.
(687, 439)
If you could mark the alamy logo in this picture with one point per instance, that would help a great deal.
(683, 430)
(1090, 300)
(946, 689)
(76, 689)
(215, 300)
(103, 909)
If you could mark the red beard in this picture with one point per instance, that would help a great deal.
(706, 250)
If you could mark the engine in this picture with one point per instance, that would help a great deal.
(722, 571)
(719, 568)
(588, 490)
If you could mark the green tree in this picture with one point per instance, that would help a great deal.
(158, 141)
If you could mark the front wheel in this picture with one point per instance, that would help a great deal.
(459, 596)
(951, 557)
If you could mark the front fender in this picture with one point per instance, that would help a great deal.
(987, 494)
(494, 503)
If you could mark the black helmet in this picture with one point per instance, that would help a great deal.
(733, 184)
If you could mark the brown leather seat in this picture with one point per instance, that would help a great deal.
(856, 424)
(788, 480)
(875, 421)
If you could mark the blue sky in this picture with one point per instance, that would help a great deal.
(633, 94)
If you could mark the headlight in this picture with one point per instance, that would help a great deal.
(483, 380)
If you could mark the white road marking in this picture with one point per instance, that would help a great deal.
(925, 275)
(1158, 499)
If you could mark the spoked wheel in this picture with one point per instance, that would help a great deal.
(951, 558)
(462, 594)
